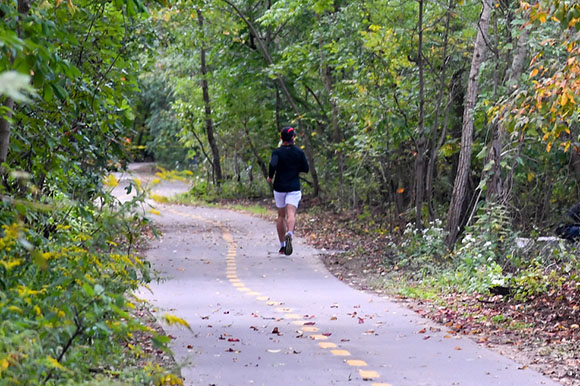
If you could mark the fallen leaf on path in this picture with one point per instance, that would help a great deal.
(276, 331)
(458, 348)
(426, 337)
(309, 324)
(422, 331)
(233, 340)
(333, 317)
(254, 328)
(360, 320)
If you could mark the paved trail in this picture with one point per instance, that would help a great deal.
(259, 318)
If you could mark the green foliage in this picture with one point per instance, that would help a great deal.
(65, 300)
(421, 252)
(67, 248)
(483, 253)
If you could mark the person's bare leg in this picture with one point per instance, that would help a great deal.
(290, 217)
(290, 222)
(281, 225)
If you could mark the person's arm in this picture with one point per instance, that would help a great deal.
(273, 166)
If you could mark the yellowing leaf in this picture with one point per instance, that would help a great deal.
(549, 147)
(53, 363)
(564, 99)
(155, 211)
(542, 17)
(534, 72)
(531, 176)
(567, 147)
(172, 319)
(111, 181)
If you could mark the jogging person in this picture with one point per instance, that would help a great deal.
(286, 163)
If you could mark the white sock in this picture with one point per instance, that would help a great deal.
(282, 244)
(291, 233)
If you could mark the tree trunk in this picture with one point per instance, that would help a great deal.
(5, 130)
(217, 170)
(286, 92)
(259, 160)
(326, 73)
(436, 144)
(421, 141)
(464, 166)
(496, 186)
(5, 127)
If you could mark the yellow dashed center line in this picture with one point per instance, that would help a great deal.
(356, 363)
(367, 375)
(231, 274)
(340, 353)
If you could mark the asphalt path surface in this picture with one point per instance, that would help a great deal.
(259, 318)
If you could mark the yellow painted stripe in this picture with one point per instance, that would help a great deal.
(356, 363)
(292, 316)
(327, 345)
(381, 384)
(273, 303)
(262, 298)
(368, 374)
(244, 289)
(319, 337)
(236, 280)
(253, 293)
(283, 309)
(299, 322)
(309, 329)
(340, 353)
(238, 284)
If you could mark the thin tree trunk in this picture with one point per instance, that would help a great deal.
(421, 141)
(496, 190)
(464, 166)
(217, 170)
(5, 130)
(259, 159)
(326, 72)
(286, 92)
(436, 144)
(5, 126)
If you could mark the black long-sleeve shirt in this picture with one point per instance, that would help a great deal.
(286, 163)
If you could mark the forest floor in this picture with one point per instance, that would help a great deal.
(542, 333)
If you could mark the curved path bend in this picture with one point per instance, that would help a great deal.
(258, 318)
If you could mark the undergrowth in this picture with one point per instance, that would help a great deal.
(67, 271)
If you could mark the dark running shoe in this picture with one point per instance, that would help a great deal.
(288, 250)
(282, 251)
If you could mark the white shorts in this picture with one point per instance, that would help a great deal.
(287, 198)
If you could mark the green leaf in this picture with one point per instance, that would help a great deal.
(88, 289)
